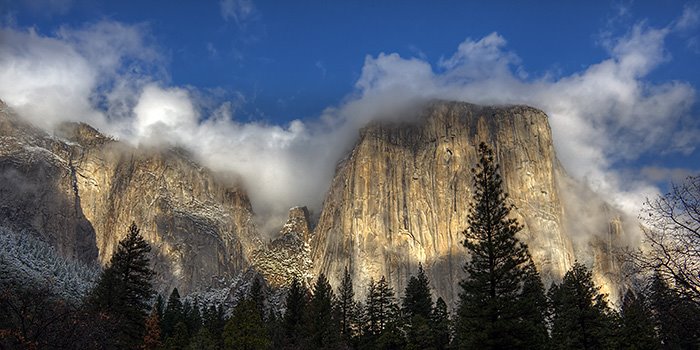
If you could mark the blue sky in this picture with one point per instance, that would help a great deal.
(293, 59)
(266, 82)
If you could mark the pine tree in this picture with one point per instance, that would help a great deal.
(533, 309)
(419, 335)
(214, 321)
(417, 300)
(159, 306)
(677, 320)
(173, 314)
(490, 302)
(124, 289)
(179, 339)
(346, 307)
(295, 315)
(152, 339)
(193, 317)
(245, 329)
(417, 307)
(257, 295)
(381, 317)
(637, 325)
(581, 318)
(203, 340)
(275, 331)
(440, 324)
(323, 328)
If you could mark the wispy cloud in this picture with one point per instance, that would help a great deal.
(602, 116)
(212, 51)
(606, 114)
(689, 19)
(240, 11)
(667, 175)
(321, 67)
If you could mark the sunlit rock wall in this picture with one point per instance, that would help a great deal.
(402, 196)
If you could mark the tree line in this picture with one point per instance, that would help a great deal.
(502, 304)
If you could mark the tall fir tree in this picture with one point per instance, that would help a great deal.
(173, 314)
(323, 327)
(296, 307)
(193, 316)
(179, 339)
(214, 321)
(677, 319)
(581, 318)
(417, 306)
(245, 329)
(440, 325)
(381, 322)
(490, 303)
(152, 338)
(257, 295)
(346, 307)
(417, 300)
(637, 329)
(124, 290)
(159, 306)
(533, 311)
(275, 329)
(203, 340)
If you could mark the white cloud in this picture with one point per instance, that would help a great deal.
(689, 19)
(607, 113)
(321, 67)
(164, 115)
(64, 76)
(673, 175)
(478, 60)
(45, 79)
(602, 115)
(240, 11)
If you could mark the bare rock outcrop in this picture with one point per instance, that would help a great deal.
(402, 196)
(399, 198)
(289, 255)
(80, 190)
(38, 190)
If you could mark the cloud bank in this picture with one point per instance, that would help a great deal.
(108, 74)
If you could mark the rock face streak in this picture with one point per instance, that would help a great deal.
(402, 196)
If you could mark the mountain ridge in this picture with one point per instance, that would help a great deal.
(392, 191)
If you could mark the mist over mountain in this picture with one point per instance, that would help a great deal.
(398, 198)
(602, 116)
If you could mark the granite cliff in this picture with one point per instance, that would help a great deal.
(401, 197)
(79, 190)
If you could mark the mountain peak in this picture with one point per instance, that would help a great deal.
(298, 223)
(82, 134)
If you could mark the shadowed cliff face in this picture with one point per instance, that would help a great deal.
(84, 185)
(38, 193)
(402, 196)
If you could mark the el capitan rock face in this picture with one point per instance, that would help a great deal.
(402, 196)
